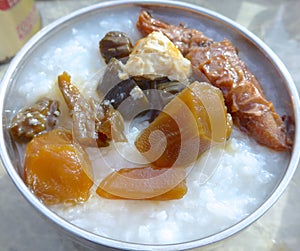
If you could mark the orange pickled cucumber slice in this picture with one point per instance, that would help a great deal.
(144, 183)
(191, 123)
(56, 170)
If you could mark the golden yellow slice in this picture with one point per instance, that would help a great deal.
(192, 122)
(144, 183)
(56, 170)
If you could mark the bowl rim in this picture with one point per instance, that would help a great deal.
(100, 240)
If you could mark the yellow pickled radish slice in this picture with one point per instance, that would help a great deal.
(144, 183)
(191, 123)
(56, 170)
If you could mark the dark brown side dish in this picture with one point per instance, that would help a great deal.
(219, 61)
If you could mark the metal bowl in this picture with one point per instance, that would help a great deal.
(260, 59)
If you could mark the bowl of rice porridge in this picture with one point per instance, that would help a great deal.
(130, 129)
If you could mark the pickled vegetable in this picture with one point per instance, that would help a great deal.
(70, 92)
(56, 170)
(192, 122)
(94, 123)
(115, 44)
(35, 119)
(144, 183)
(109, 123)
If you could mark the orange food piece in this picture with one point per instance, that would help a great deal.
(56, 170)
(144, 183)
(192, 122)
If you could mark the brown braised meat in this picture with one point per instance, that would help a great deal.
(29, 121)
(219, 61)
(182, 37)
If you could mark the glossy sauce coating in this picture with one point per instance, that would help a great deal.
(95, 124)
(191, 123)
(56, 170)
(144, 183)
(219, 61)
(37, 118)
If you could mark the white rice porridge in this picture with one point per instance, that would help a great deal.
(243, 178)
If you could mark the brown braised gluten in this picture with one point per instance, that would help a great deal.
(219, 61)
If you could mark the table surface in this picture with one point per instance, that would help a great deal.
(277, 23)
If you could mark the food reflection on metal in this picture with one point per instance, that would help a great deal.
(220, 63)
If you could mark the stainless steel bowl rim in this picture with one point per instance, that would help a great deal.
(99, 240)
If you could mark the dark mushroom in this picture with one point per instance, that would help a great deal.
(124, 95)
(136, 96)
(115, 44)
